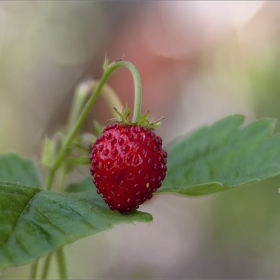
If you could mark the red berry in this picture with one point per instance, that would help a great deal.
(128, 164)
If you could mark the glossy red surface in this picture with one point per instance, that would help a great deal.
(128, 164)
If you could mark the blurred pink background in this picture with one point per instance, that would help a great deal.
(199, 61)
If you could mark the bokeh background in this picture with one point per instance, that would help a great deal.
(199, 61)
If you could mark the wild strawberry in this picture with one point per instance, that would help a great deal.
(128, 163)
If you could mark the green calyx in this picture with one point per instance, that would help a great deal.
(142, 120)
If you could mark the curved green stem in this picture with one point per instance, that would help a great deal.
(136, 114)
(137, 88)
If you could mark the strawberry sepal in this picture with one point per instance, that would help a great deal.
(142, 121)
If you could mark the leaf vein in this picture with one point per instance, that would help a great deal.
(75, 211)
(20, 215)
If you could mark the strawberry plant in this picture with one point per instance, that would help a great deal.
(128, 164)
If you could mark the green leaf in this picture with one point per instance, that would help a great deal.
(83, 186)
(222, 156)
(17, 169)
(35, 222)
